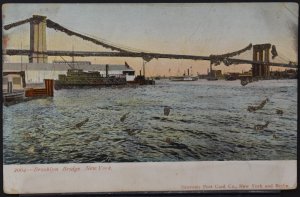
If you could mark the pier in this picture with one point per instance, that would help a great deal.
(18, 96)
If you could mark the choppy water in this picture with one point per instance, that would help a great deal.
(208, 121)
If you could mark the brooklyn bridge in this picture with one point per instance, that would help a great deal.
(38, 52)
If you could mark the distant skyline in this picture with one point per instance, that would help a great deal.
(191, 29)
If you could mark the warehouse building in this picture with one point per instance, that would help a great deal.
(37, 72)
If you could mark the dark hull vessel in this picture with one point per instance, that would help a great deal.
(212, 78)
(231, 78)
(141, 80)
(8, 97)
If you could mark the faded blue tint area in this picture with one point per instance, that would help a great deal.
(208, 121)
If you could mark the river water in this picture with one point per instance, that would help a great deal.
(208, 121)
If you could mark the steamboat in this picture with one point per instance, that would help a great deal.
(77, 78)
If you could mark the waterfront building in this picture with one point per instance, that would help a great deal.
(14, 79)
(37, 72)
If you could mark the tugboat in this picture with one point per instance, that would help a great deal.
(141, 80)
(77, 78)
(211, 75)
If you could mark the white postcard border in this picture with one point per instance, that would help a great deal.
(150, 176)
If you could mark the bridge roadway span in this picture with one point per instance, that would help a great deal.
(146, 56)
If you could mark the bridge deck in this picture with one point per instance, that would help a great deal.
(143, 55)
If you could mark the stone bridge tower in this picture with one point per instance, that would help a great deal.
(261, 53)
(38, 40)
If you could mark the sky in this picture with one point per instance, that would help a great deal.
(191, 29)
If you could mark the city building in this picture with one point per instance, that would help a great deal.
(286, 74)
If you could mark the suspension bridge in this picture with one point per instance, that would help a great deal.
(38, 52)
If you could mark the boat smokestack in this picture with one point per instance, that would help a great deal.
(49, 87)
(106, 70)
(188, 72)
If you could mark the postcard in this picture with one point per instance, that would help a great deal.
(149, 97)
